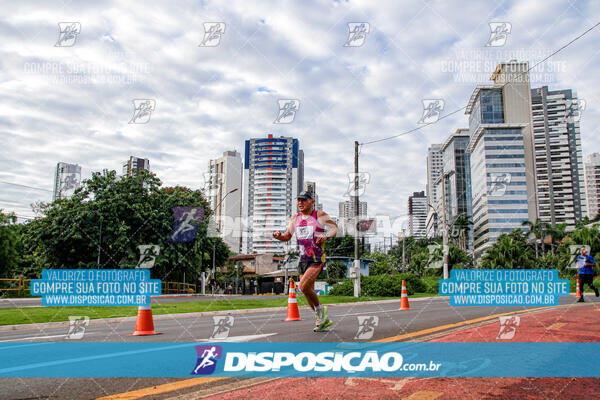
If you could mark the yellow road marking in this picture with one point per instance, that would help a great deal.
(154, 390)
(424, 395)
(557, 325)
(458, 324)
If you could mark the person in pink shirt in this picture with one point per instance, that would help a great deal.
(309, 227)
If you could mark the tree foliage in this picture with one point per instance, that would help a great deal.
(112, 216)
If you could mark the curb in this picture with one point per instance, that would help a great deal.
(97, 321)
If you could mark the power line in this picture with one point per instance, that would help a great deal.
(462, 108)
(30, 187)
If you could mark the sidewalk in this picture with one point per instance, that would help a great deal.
(573, 323)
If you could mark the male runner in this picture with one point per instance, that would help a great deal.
(309, 227)
(586, 273)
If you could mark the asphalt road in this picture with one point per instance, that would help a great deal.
(255, 326)
(37, 301)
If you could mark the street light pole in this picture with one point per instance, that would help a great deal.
(356, 225)
(214, 243)
(444, 236)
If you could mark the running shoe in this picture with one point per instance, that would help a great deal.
(322, 320)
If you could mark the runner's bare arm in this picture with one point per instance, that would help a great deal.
(325, 220)
(284, 237)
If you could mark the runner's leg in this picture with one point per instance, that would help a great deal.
(307, 286)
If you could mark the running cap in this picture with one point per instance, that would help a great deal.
(305, 195)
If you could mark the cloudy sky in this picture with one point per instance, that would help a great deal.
(72, 100)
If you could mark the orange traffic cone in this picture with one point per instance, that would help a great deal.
(293, 314)
(144, 324)
(578, 293)
(404, 298)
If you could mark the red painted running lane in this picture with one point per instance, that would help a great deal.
(573, 323)
(577, 323)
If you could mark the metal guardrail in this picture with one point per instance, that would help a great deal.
(178, 288)
(15, 285)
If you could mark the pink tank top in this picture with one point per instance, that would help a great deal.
(306, 230)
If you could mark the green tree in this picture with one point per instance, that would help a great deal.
(384, 263)
(114, 216)
(510, 251)
(342, 246)
(9, 241)
(457, 257)
(336, 270)
(462, 225)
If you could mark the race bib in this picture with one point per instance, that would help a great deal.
(304, 232)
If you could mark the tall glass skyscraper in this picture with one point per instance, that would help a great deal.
(500, 150)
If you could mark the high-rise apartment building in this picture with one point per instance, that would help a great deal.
(456, 178)
(223, 184)
(134, 165)
(346, 209)
(434, 171)
(67, 178)
(457, 172)
(273, 176)
(558, 156)
(417, 214)
(433, 190)
(501, 155)
(311, 186)
(592, 184)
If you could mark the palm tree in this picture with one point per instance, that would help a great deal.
(539, 230)
(557, 233)
(462, 224)
(510, 251)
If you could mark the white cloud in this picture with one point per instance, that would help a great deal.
(208, 99)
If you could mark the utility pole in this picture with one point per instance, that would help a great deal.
(355, 272)
(445, 230)
(404, 247)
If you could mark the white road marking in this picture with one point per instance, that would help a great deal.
(34, 337)
(245, 338)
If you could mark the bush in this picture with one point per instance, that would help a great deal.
(573, 285)
(431, 284)
(381, 286)
(346, 288)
